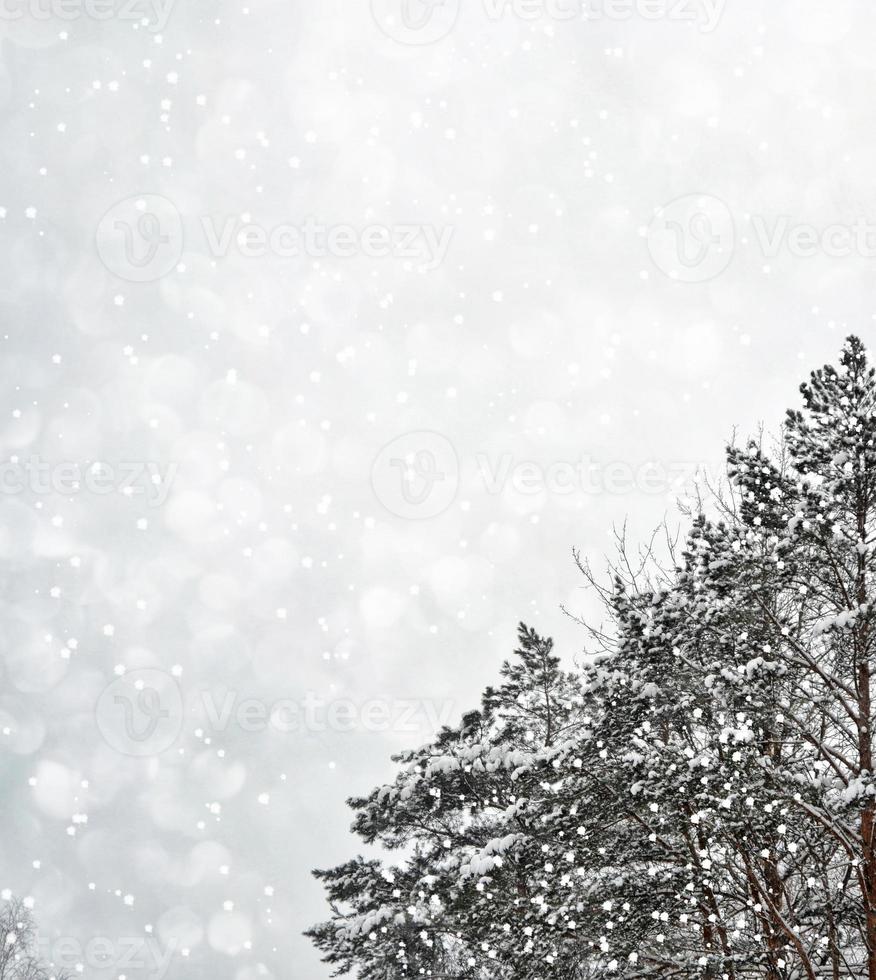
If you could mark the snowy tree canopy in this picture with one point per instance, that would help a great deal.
(698, 799)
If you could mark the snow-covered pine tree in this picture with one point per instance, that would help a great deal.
(699, 800)
(721, 772)
(806, 537)
(466, 812)
(769, 620)
(666, 833)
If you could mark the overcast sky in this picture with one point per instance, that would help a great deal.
(329, 329)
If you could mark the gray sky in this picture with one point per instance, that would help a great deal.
(367, 318)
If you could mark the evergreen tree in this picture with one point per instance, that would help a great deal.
(699, 799)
